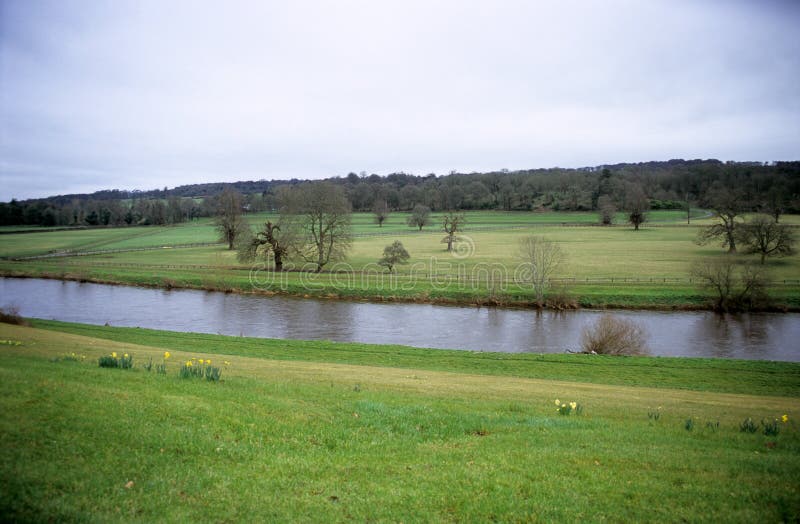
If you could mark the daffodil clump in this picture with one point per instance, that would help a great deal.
(10, 343)
(202, 368)
(568, 408)
(769, 427)
(654, 414)
(114, 360)
(773, 427)
(161, 369)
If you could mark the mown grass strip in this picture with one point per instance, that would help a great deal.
(721, 375)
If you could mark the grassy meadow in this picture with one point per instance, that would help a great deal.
(612, 266)
(322, 431)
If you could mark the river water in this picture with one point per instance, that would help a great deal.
(770, 336)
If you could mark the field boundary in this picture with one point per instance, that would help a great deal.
(72, 253)
(383, 277)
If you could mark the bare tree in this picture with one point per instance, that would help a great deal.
(420, 216)
(228, 220)
(614, 336)
(381, 211)
(394, 254)
(727, 204)
(452, 223)
(733, 286)
(636, 204)
(540, 258)
(765, 236)
(320, 214)
(775, 201)
(607, 210)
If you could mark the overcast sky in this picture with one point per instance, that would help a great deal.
(146, 94)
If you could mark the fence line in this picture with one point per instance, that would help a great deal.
(425, 276)
(468, 229)
(70, 253)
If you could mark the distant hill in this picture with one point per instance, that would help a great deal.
(670, 184)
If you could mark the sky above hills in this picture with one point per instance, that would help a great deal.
(145, 94)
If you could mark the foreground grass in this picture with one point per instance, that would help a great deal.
(315, 441)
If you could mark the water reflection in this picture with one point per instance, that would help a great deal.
(743, 335)
(756, 336)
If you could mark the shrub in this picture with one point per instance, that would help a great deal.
(10, 315)
(614, 336)
(560, 298)
(734, 286)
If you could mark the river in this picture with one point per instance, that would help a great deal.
(764, 336)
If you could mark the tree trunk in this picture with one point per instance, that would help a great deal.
(731, 242)
(320, 261)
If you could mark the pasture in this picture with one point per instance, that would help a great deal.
(603, 266)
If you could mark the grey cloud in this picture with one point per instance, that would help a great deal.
(145, 94)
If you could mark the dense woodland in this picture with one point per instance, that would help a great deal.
(771, 187)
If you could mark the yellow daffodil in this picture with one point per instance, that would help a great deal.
(208, 361)
(113, 354)
(573, 405)
(189, 364)
(126, 355)
(785, 418)
(227, 363)
(201, 361)
(558, 403)
(166, 355)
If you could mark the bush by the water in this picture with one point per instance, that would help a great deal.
(10, 315)
(614, 336)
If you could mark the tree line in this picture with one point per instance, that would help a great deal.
(675, 184)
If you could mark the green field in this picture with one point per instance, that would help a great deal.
(605, 267)
(301, 431)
